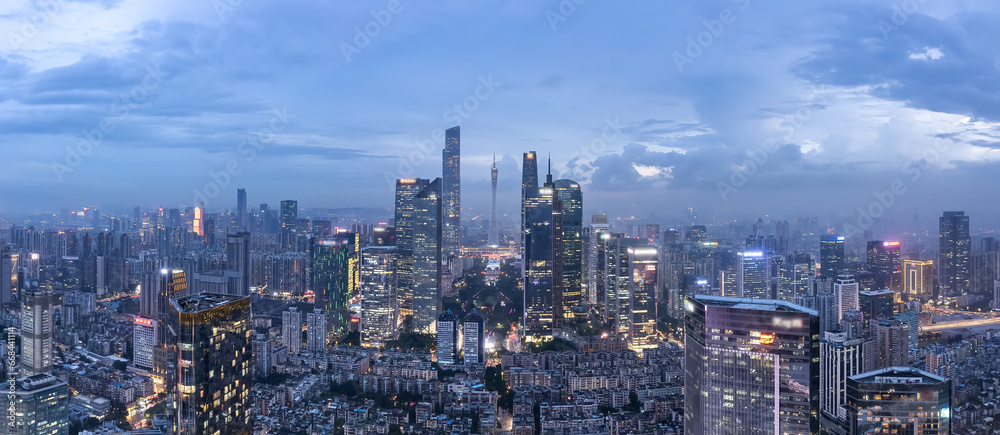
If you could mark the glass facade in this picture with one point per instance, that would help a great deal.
(451, 193)
(571, 200)
(427, 257)
(955, 243)
(378, 295)
(40, 406)
(406, 190)
(899, 400)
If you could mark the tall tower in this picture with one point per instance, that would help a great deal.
(406, 190)
(542, 255)
(754, 275)
(473, 343)
(840, 356)
(427, 256)
(885, 261)
(529, 180)
(291, 330)
(447, 338)
(36, 330)
(954, 250)
(831, 255)
(451, 194)
(241, 209)
(571, 199)
(238, 262)
(378, 295)
(215, 376)
(494, 235)
(750, 363)
(316, 331)
(600, 231)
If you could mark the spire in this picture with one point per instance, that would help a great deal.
(548, 178)
(494, 156)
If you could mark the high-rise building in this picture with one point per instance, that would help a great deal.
(262, 355)
(330, 273)
(750, 363)
(316, 331)
(215, 376)
(955, 244)
(643, 269)
(754, 275)
(291, 330)
(529, 180)
(876, 305)
(242, 221)
(899, 400)
(795, 277)
(571, 199)
(831, 255)
(493, 238)
(474, 339)
(696, 234)
(846, 288)
(8, 274)
(378, 295)
(38, 405)
(238, 262)
(36, 330)
(542, 257)
(840, 356)
(600, 231)
(892, 341)
(620, 281)
(884, 260)
(451, 194)
(918, 279)
(144, 335)
(406, 190)
(289, 215)
(447, 338)
(427, 257)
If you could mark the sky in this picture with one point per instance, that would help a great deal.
(737, 108)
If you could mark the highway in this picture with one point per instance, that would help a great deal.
(956, 324)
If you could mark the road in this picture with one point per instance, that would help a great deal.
(961, 324)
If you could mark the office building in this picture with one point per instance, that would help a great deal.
(316, 331)
(291, 330)
(242, 219)
(643, 270)
(427, 257)
(288, 219)
(542, 257)
(795, 277)
(571, 199)
(899, 400)
(600, 231)
(846, 289)
(885, 262)
(892, 341)
(474, 339)
(406, 190)
(954, 249)
(840, 356)
(451, 194)
(215, 376)
(529, 180)
(754, 275)
(144, 335)
(378, 295)
(831, 255)
(36, 330)
(876, 305)
(37, 405)
(447, 338)
(238, 262)
(330, 275)
(697, 234)
(8, 275)
(918, 279)
(750, 363)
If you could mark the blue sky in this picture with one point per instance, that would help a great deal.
(836, 100)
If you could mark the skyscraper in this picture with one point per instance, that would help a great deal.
(750, 363)
(451, 194)
(241, 210)
(330, 276)
(447, 338)
(541, 256)
(291, 330)
(215, 376)
(885, 262)
(620, 281)
(38, 405)
(36, 330)
(316, 331)
(955, 243)
(892, 342)
(144, 335)
(840, 356)
(289, 215)
(875, 305)
(846, 288)
(571, 201)
(238, 262)
(427, 257)
(493, 239)
(643, 269)
(795, 277)
(474, 339)
(406, 190)
(899, 400)
(754, 275)
(529, 180)
(378, 295)
(599, 233)
(831, 255)
(918, 279)
(8, 274)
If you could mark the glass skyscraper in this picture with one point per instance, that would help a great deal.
(542, 282)
(451, 194)
(750, 363)
(754, 275)
(571, 199)
(955, 243)
(831, 255)
(378, 295)
(427, 232)
(899, 400)
(38, 405)
(406, 190)
(215, 375)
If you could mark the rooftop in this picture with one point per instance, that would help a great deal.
(754, 304)
(203, 301)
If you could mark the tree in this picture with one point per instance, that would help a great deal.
(120, 365)
(634, 405)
